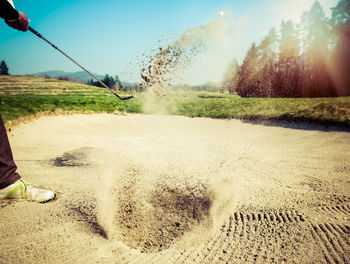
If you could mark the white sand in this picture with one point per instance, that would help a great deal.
(165, 189)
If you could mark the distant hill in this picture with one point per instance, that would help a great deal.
(80, 76)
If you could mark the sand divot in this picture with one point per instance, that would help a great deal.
(74, 158)
(156, 205)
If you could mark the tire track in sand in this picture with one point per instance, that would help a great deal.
(331, 232)
(247, 236)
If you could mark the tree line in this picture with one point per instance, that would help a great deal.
(115, 83)
(309, 59)
(108, 80)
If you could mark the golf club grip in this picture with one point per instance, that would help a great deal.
(35, 32)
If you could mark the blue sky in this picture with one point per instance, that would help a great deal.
(112, 36)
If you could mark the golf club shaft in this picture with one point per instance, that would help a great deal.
(93, 76)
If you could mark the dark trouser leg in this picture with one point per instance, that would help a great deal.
(8, 167)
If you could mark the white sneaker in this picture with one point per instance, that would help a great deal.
(24, 190)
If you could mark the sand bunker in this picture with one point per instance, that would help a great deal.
(165, 189)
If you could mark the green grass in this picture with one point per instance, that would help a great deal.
(25, 96)
(15, 106)
(216, 105)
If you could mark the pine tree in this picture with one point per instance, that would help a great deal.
(315, 29)
(247, 81)
(231, 77)
(341, 13)
(341, 59)
(118, 84)
(90, 82)
(266, 61)
(288, 66)
(4, 70)
(109, 81)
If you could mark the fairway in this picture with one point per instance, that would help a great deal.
(23, 97)
(171, 189)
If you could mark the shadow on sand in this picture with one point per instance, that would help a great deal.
(299, 123)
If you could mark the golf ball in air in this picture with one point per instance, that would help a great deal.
(221, 13)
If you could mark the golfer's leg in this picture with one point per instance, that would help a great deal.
(8, 167)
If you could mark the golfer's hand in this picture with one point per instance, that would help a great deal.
(20, 23)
